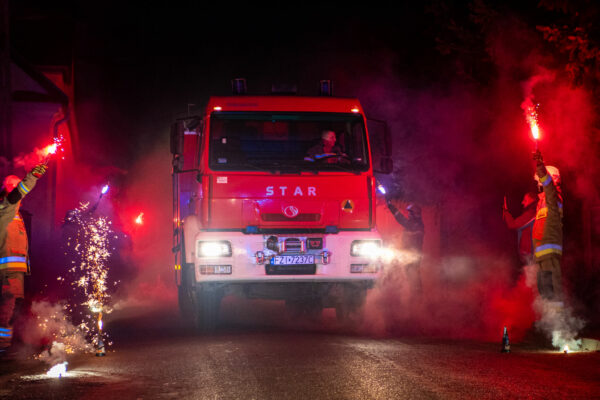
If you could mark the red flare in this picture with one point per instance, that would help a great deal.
(532, 120)
(50, 149)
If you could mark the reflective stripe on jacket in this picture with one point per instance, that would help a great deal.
(5, 333)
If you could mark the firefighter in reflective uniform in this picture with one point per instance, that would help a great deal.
(547, 231)
(13, 248)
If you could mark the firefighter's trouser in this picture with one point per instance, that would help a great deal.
(11, 289)
(549, 278)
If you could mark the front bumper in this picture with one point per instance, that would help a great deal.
(242, 266)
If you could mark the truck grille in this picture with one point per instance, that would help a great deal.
(293, 245)
(306, 217)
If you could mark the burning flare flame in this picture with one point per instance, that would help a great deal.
(532, 120)
(140, 219)
(50, 149)
(535, 131)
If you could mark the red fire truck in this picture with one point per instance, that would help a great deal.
(265, 208)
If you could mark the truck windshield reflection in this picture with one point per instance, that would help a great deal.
(287, 142)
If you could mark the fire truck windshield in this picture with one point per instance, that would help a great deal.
(298, 141)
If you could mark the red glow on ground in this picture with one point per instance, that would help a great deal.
(511, 307)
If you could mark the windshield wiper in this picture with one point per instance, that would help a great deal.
(275, 167)
(342, 167)
(250, 165)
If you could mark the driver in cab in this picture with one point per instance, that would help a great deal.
(326, 150)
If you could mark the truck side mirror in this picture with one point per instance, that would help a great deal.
(381, 146)
(177, 132)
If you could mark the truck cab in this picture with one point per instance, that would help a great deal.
(265, 206)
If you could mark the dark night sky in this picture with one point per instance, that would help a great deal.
(146, 63)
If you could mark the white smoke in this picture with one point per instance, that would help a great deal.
(559, 323)
(53, 323)
(556, 319)
(55, 354)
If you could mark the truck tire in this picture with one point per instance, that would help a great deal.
(185, 294)
(206, 307)
(186, 304)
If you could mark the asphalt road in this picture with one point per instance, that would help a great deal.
(259, 356)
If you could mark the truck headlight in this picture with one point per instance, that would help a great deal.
(221, 248)
(365, 248)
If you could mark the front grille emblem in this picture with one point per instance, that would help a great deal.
(290, 211)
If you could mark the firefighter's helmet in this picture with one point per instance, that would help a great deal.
(554, 174)
(10, 182)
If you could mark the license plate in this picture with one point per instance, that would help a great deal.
(293, 260)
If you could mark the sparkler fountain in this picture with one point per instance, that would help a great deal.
(100, 352)
(91, 246)
(96, 257)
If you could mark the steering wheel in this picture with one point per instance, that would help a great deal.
(341, 156)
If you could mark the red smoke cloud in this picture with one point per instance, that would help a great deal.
(460, 147)
(147, 190)
(30, 160)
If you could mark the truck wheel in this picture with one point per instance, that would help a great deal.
(186, 303)
(207, 304)
(185, 296)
